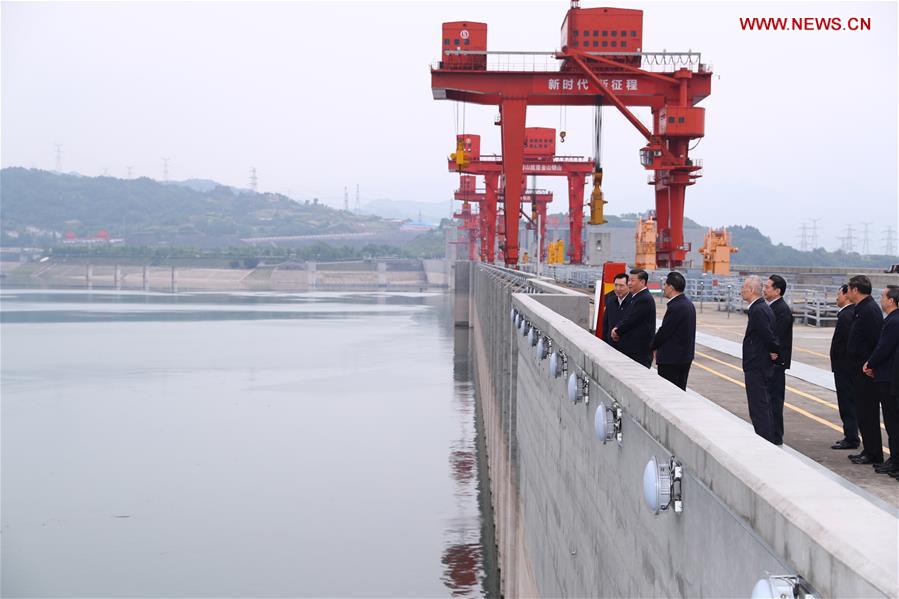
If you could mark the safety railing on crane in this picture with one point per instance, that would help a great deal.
(501, 60)
(555, 158)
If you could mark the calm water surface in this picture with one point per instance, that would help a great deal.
(255, 444)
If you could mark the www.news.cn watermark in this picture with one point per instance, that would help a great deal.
(805, 24)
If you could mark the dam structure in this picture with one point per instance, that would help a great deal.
(608, 481)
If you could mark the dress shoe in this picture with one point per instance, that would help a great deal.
(844, 444)
(887, 467)
(855, 456)
(865, 459)
(894, 474)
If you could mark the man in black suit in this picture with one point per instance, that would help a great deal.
(635, 331)
(863, 338)
(842, 374)
(759, 343)
(675, 341)
(773, 291)
(616, 303)
(879, 367)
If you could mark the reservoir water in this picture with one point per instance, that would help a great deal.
(244, 444)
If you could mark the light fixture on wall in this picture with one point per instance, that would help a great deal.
(513, 314)
(578, 388)
(544, 346)
(533, 337)
(607, 422)
(525, 328)
(783, 587)
(662, 485)
(558, 364)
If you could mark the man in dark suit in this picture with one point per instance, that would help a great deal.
(894, 391)
(635, 331)
(863, 338)
(842, 374)
(616, 303)
(773, 291)
(675, 341)
(879, 367)
(759, 343)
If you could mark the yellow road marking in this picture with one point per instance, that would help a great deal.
(823, 402)
(808, 351)
(787, 404)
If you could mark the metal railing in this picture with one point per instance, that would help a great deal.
(502, 60)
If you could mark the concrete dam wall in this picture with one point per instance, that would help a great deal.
(571, 520)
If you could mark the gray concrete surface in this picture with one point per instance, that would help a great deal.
(570, 515)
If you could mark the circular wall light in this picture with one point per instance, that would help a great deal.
(656, 486)
(513, 313)
(543, 346)
(557, 364)
(783, 586)
(534, 337)
(525, 328)
(578, 388)
(607, 423)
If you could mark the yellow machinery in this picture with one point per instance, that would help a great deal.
(459, 157)
(646, 244)
(555, 252)
(596, 200)
(716, 251)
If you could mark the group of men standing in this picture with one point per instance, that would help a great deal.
(864, 353)
(864, 357)
(629, 324)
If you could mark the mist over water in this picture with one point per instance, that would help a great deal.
(254, 444)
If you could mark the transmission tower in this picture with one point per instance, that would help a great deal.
(357, 198)
(865, 240)
(346, 199)
(165, 169)
(803, 237)
(129, 168)
(254, 180)
(849, 240)
(889, 241)
(815, 233)
(58, 158)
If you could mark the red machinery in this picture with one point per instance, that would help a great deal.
(601, 62)
(483, 224)
(539, 159)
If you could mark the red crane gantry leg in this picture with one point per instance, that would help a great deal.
(576, 218)
(513, 114)
(488, 218)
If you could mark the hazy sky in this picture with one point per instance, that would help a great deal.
(322, 95)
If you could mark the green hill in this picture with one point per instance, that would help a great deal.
(39, 206)
(757, 249)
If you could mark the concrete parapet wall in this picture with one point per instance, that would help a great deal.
(570, 515)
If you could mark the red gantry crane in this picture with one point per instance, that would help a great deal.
(601, 63)
(476, 225)
(538, 159)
